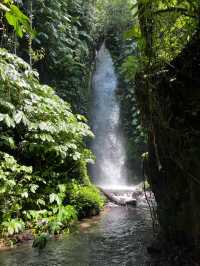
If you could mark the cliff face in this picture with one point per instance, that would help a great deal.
(170, 104)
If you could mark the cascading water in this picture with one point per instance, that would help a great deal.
(107, 146)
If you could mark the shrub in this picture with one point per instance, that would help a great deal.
(41, 147)
(12, 226)
(86, 200)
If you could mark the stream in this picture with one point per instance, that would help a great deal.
(119, 236)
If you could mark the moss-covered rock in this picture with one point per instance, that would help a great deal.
(171, 112)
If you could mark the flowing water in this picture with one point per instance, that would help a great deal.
(120, 235)
(108, 144)
(117, 237)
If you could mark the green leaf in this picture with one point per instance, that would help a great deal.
(134, 32)
(54, 198)
(7, 105)
(18, 117)
(4, 8)
(24, 194)
(33, 188)
(62, 188)
(2, 117)
(12, 20)
(18, 20)
(41, 202)
(9, 141)
(8, 120)
(43, 126)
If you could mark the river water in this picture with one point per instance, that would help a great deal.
(118, 237)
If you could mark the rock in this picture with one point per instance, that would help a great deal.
(137, 193)
(23, 237)
(132, 202)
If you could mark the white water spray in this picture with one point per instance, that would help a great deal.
(108, 147)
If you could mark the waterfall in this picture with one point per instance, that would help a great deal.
(109, 169)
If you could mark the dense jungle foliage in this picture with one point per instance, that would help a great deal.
(60, 46)
(43, 158)
(42, 150)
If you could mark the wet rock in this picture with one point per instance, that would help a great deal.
(26, 236)
(132, 202)
(137, 193)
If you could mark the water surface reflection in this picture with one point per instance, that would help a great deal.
(119, 237)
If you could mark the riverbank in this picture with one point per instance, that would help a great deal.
(84, 223)
(27, 237)
(118, 236)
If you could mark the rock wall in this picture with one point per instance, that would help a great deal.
(169, 100)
